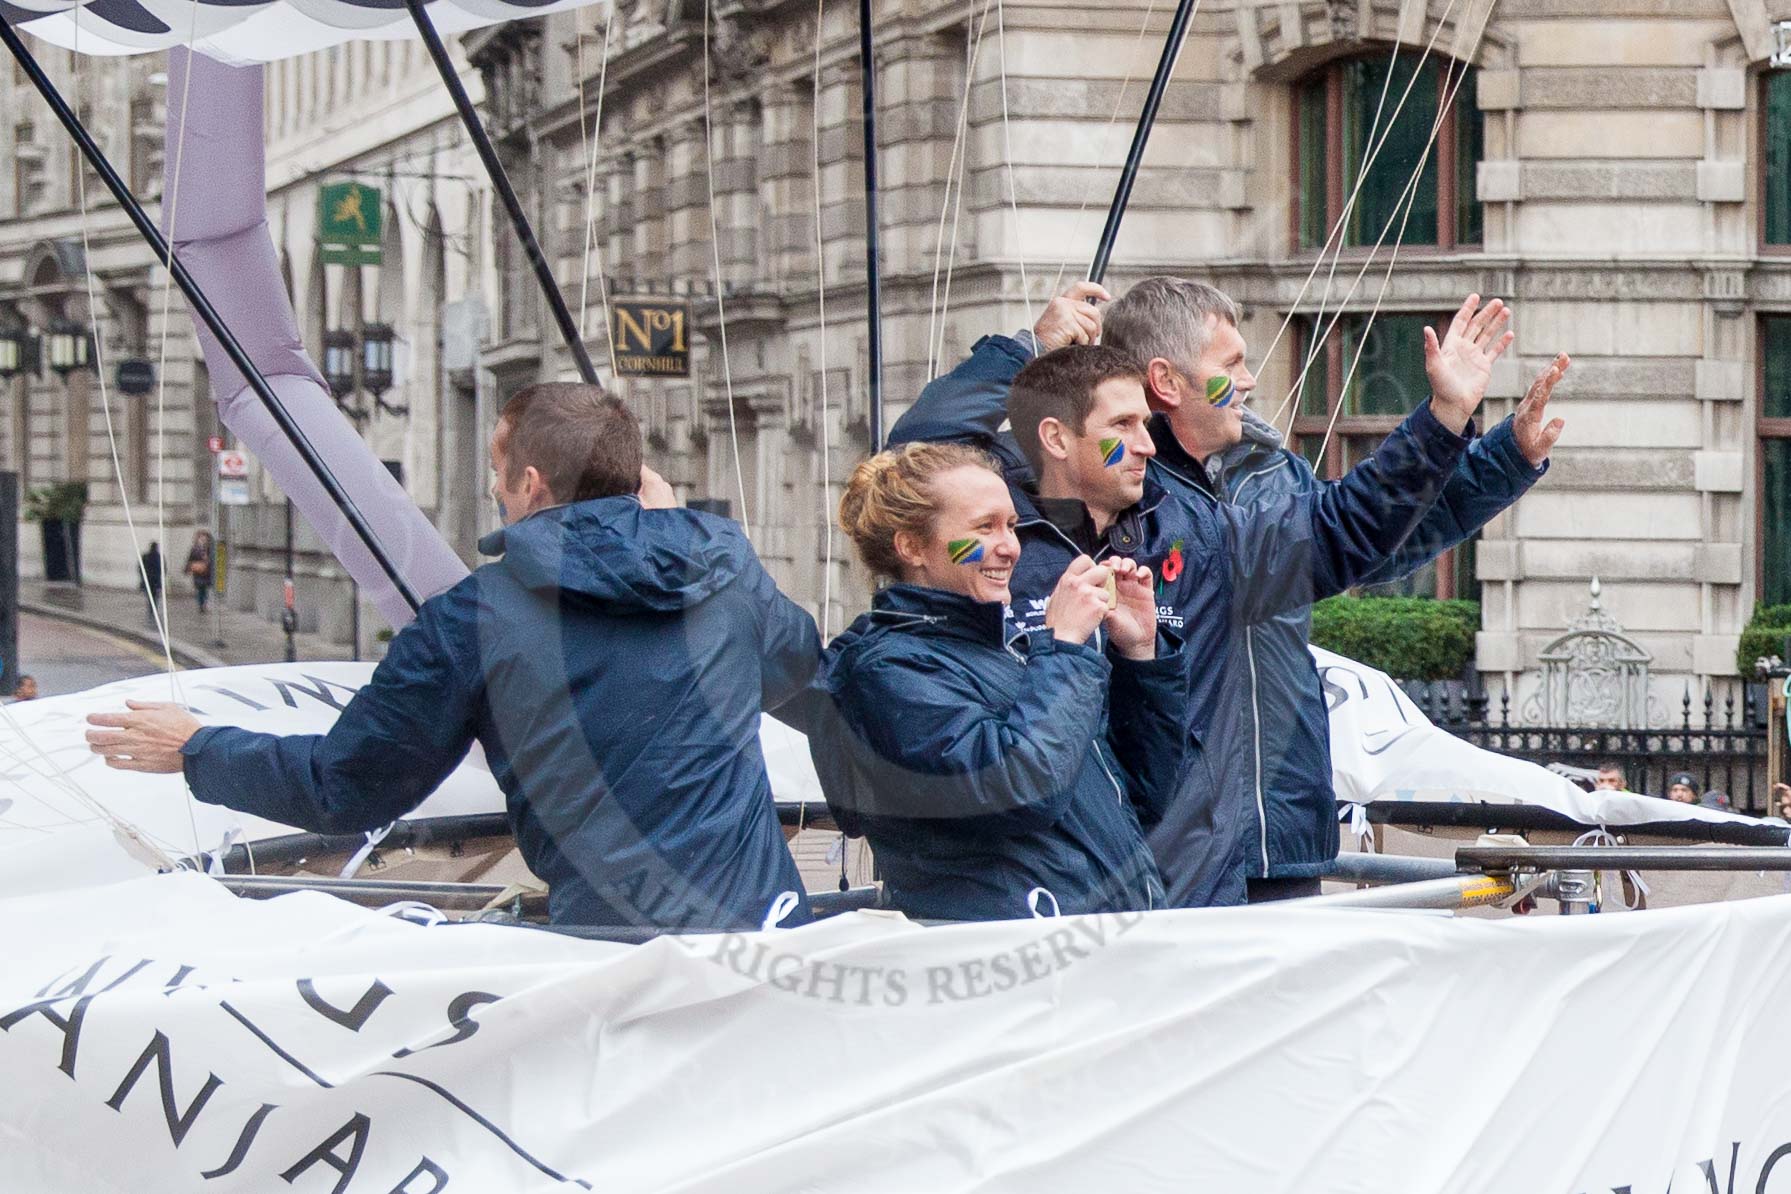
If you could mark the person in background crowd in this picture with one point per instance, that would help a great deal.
(1715, 799)
(993, 772)
(1682, 787)
(1781, 797)
(1610, 778)
(150, 581)
(613, 663)
(25, 689)
(199, 566)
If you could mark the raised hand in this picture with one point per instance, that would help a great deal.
(1132, 622)
(1536, 439)
(656, 492)
(1079, 602)
(1070, 318)
(1460, 367)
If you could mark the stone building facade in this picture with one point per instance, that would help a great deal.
(1607, 165)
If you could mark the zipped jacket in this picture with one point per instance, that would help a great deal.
(613, 664)
(985, 770)
(1218, 568)
(1285, 774)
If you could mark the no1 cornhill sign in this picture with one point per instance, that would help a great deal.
(651, 337)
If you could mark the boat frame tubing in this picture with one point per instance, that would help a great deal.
(1624, 858)
(202, 307)
(873, 270)
(1147, 119)
(500, 181)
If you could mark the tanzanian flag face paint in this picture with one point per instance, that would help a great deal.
(1220, 391)
(965, 551)
(1112, 452)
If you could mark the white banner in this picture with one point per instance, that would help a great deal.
(159, 1035)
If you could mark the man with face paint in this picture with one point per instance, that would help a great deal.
(1218, 568)
(1272, 720)
(612, 663)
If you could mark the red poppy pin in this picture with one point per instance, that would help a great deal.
(1171, 568)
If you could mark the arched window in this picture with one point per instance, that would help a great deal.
(1337, 132)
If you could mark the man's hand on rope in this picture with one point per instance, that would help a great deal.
(1071, 318)
(1460, 367)
(1536, 438)
(148, 738)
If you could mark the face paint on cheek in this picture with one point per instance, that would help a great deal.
(1112, 451)
(1220, 391)
(965, 551)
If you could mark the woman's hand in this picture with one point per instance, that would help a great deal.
(1132, 622)
(1079, 602)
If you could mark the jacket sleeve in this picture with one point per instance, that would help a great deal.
(790, 651)
(1147, 728)
(396, 741)
(969, 404)
(1285, 555)
(933, 749)
(1491, 475)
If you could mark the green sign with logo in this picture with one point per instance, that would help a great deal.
(348, 223)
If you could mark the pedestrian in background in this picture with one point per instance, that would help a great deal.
(1715, 799)
(24, 690)
(1611, 778)
(1682, 787)
(151, 581)
(199, 566)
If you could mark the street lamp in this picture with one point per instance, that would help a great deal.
(339, 370)
(377, 376)
(15, 349)
(70, 347)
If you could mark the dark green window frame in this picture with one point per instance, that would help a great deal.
(1336, 106)
(1773, 463)
(1775, 159)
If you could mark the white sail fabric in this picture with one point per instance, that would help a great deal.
(249, 32)
(196, 1041)
(1383, 748)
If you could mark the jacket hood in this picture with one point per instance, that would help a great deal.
(1260, 439)
(621, 555)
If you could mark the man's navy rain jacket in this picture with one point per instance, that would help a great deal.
(613, 664)
(1219, 568)
(982, 768)
(1285, 772)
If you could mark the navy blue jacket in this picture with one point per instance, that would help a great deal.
(1219, 568)
(982, 767)
(1285, 774)
(613, 664)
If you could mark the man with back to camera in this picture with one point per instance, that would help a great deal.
(1211, 448)
(613, 663)
(1220, 568)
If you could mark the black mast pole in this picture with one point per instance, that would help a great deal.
(208, 315)
(519, 220)
(873, 272)
(1178, 29)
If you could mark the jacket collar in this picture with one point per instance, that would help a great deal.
(1174, 459)
(1071, 521)
(914, 606)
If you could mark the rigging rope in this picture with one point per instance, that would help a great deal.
(821, 307)
(721, 314)
(588, 148)
(1007, 150)
(1373, 154)
(954, 170)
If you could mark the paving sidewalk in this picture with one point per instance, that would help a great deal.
(211, 639)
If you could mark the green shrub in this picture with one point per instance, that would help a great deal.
(1409, 638)
(1765, 635)
(64, 501)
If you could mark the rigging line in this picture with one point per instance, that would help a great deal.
(821, 307)
(953, 170)
(596, 142)
(1410, 201)
(1350, 203)
(1007, 150)
(1118, 101)
(721, 314)
(158, 614)
(1362, 346)
(1446, 99)
(957, 210)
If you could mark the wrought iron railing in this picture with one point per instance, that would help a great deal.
(1726, 752)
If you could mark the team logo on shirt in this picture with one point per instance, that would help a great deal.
(965, 551)
(1220, 391)
(1112, 451)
